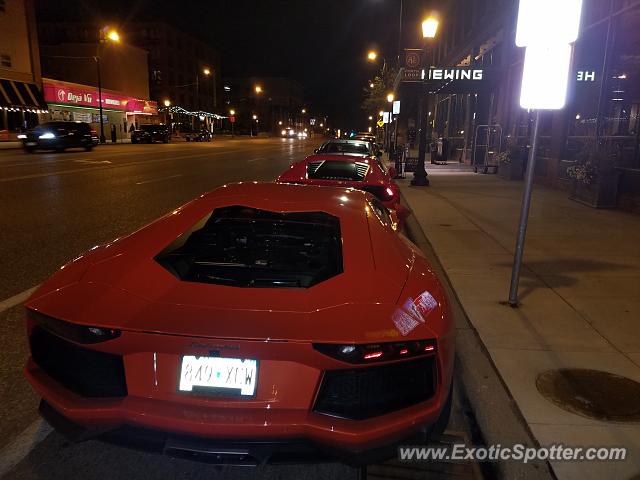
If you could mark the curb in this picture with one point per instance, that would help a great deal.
(495, 412)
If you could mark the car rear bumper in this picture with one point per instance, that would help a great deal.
(237, 451)
(235, 423)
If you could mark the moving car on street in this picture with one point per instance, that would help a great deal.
(259, 322)
(150, 134)
(58, 136)
(348, 170)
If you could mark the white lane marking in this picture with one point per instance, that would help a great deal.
(256, 159)
(94, 162)
(119, 165)
(158, 179)
(16, 299)
(26, 441)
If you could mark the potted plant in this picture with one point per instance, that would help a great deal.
(511, 162)
(594, 180)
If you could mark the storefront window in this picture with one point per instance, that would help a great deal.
(620, 108)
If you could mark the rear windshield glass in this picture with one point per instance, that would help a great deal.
(247, 247)
(337, 170)
(345, 148)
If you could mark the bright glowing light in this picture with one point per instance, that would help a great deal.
(113, 36)
(429, 348)
(380, 113)
(545, 77)
(390, 97)
(369, 129)
(280, 122)
(304, 110)
(258, 89)
(321, 125)
(371, 85)
(370, 117)
(372, 355)
(577, 116)
(232, 112)
(167, 103)
(548, 22)
(255, 117)
(430, 27)
(206, 71)
(47, 135)
(22, 135)
(284, 132)
(372, 55)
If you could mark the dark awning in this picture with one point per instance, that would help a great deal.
(21, 96)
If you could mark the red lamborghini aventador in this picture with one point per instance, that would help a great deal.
(257, 323)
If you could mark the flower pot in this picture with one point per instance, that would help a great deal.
(512, 170)
(603, 193)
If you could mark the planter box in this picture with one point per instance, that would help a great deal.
(513, 170)
(601, 194)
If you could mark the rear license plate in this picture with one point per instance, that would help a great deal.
(30, 144)
(218, 375)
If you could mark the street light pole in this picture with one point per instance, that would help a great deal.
(103, 139)
(429, 28)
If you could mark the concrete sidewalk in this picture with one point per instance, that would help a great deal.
(580, 293)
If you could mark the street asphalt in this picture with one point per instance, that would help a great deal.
(57, 205)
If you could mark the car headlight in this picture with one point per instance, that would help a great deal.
(284, 132)
(74, 332)
(47, 135)
(22, 135)
(376, 352)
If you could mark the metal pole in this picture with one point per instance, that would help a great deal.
(524, 214)
(420, 173)
(399, 35)
(103, 139)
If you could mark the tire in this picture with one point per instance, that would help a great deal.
(443, 420)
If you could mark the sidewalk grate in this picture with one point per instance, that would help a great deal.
(592, 393)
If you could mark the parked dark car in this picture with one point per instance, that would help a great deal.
(58, 136)
(150, 134)
(199, 136)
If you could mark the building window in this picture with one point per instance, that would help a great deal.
(5, 60)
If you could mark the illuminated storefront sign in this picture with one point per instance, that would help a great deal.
(57, 92)
(453, 74)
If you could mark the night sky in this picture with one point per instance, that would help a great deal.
(320, 43)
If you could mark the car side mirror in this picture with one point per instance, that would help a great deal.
(392, 172)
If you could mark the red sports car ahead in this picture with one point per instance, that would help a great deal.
(344, 170)
(260, 322)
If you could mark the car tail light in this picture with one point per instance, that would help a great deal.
(93, 130)
(376, 352)
(71, 331)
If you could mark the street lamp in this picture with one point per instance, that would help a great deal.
(371, 85)
(254, 119)
(390, 97)
(106, 35)
(370, 117)
(430, 27)
(372, 56)
(232, 112)
(429, 30)
(258, 89)
(304, 110)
